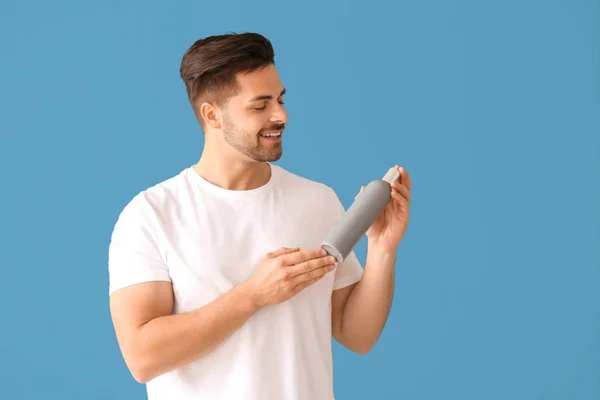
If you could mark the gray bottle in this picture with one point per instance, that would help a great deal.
(355, 222)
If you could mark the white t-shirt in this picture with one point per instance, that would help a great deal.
(206, 239)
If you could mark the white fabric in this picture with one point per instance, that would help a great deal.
(205, 239)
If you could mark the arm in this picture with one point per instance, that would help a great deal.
(153, 341)
(360, 311)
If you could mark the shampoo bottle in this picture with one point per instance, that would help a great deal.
(355, 222)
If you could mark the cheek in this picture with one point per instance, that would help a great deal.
(255, 123)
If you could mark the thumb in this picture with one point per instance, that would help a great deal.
(361, 189)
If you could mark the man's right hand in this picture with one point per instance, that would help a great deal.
(285, 272)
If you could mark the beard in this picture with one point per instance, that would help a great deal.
(250, 144)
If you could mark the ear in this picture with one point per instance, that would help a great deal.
(211, 115)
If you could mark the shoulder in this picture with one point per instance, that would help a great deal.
(149, 203)
(308, 190)
(289, 179)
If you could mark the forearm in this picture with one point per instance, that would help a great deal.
(168, 342)
(368, 305)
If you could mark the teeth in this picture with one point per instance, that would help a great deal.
(271, 134)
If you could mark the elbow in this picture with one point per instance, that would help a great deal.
(141, 368)
(364, 345)
(363, 348)
(360, 344)
(141, 375)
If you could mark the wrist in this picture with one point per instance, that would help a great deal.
(380, 261)
(376, 247)
(247, 298)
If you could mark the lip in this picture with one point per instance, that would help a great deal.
(272, 139)
(270, 132)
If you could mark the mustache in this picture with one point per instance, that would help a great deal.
(276, 127)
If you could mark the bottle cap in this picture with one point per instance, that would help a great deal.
(392, 175)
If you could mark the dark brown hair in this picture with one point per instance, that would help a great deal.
(209, 67)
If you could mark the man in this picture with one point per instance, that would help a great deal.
(218, 287)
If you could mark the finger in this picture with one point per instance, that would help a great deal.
(301, 286)
(301, 256)
(282, 251)
(312, 274)
(361, 190)
(310, 265)
(404, 177)
(401, 189)
(397, 196)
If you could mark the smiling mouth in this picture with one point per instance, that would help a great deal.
(271, 134)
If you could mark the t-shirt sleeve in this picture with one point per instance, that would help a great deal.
(350, 270)
(134, 254)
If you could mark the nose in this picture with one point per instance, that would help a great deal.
(279, 114)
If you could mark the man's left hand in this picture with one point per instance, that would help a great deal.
(388, 229)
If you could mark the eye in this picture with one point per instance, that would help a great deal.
(264, 107)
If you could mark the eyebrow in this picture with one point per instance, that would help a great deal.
(266, 96)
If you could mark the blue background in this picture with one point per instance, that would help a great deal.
(493, 107)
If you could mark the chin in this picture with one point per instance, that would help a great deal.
(271, 157)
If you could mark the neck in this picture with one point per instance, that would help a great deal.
(231, 170)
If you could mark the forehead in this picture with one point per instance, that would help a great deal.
(265, 81)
